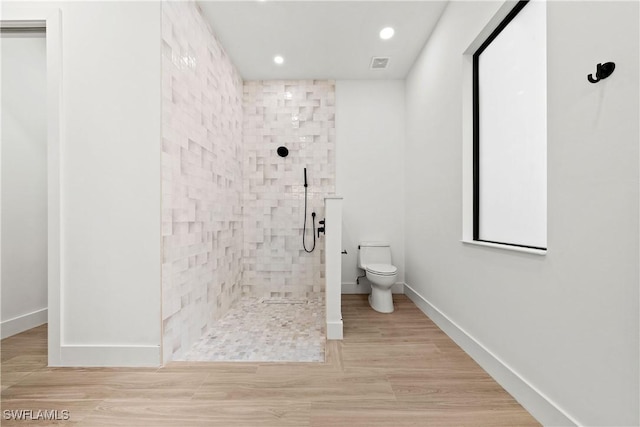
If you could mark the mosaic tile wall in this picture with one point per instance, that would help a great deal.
(299, 115)
(201, 178)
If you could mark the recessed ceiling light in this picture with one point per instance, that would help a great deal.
(386, 33)
(278, 59)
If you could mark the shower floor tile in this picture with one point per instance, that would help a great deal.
(257, 330)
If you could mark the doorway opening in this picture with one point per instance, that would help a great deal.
(24, 180)
(30, 184)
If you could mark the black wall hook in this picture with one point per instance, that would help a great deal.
(602, 72)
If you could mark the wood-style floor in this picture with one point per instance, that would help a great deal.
(390, 370)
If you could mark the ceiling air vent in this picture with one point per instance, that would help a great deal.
(379, 63)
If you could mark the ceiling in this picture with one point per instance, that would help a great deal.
(321, 39)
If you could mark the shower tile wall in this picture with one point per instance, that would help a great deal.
(299, 115)
(201, 178)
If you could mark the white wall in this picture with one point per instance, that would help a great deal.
(369, 170)
(24, 183)
(110, 181)
(566, 323)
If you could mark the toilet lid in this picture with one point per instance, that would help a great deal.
(382, 269)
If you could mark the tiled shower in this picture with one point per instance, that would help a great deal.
(300, 116)
(232, 209)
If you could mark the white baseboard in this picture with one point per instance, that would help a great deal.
(334, 330)
(23, 323)
(365, 288)
(109, 356)
(532, 399)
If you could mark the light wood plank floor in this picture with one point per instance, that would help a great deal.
(390, 370)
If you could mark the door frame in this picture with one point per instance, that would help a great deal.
(51, 20)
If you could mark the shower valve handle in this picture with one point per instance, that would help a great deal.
(321, 229)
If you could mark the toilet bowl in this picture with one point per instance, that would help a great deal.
(375, 260)
(382, 278)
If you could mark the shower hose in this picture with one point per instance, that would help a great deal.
(304, 224)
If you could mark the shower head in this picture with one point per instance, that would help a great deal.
(283, 151)
(305, 177)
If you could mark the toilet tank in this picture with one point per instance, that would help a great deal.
(374, 253)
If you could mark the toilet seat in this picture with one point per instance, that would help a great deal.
(382, 269)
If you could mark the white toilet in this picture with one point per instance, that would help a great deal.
(375, 259)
